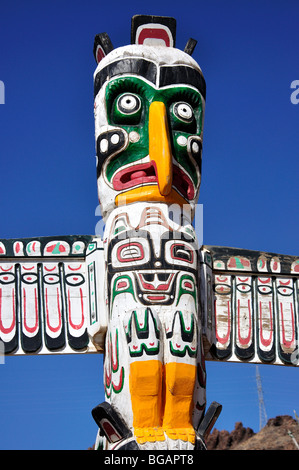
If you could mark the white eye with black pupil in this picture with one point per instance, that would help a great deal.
(183, 111)
(128, 103)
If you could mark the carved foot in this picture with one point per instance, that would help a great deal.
(172, 439)
(149, 434)
(182, 434)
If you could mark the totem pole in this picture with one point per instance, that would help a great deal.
(149, 112)
(148, 295)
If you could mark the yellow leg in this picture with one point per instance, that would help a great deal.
(179, 387)
(146, 396)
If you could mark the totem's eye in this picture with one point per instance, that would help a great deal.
(183, 111)
(51, 279)
(7, 278)
(74, 279)
(132, 252)
(285, 290)
(182, 252)
(29, 278)
(127, 109)
(128, 103)
(243, 287)
(222, 289)
(264, 290)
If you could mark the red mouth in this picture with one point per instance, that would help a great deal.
(156, 298)
(162, 286)
(146, 173)
(183, 183)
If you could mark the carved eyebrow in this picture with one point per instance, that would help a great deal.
(184, 75)
(132, 65)
(168, 75)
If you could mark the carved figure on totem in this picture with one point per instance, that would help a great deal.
(148, 295)
(149, 112)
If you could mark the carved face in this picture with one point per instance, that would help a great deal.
(149, 125)
(152, 263)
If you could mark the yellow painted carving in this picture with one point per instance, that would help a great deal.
(155, 414)
(149, 193)
(146, 396)
(160, 146)
(179, 387)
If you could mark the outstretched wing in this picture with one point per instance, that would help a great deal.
(250, 305)
(51, 295)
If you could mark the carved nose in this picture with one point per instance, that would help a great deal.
(160, 146)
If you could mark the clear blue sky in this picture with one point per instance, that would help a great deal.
(248, 52)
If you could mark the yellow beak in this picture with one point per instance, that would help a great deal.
(160, 146)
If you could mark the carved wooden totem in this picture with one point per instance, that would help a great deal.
(149, 112)
(148, 295)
